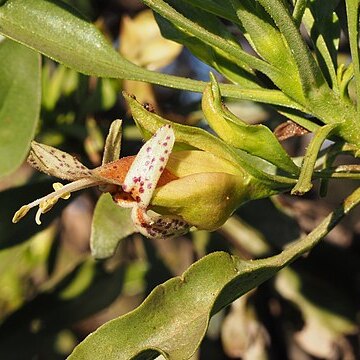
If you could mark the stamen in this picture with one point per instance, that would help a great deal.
(48, 201)
(20, 213)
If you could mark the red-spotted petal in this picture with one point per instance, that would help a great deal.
(149, 164)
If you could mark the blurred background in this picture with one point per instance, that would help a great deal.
(53, 294)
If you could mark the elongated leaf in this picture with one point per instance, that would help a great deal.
(223, 9)
(110, 225)
(208, 54)
(19, 103)
(310, 74)
(269, 43)
(58, 31)
(54, 29)
(352, 11)
(233, 51)
(324, 29)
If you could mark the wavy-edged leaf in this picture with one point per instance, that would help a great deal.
(20, 94)
(173, 319)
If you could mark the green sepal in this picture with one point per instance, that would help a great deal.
(190, 138)
(257, 140)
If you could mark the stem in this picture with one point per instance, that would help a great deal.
(304, 245)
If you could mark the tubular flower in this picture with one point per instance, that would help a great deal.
(131, 181)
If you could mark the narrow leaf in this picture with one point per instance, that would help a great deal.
(352, 11)
(237, 54)
(209, 54)
(310, 74)
(58, 31)
(323, 26)
(20, 94)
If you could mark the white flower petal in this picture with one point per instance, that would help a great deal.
(150, 162)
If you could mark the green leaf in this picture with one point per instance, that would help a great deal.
(19, 103)
(352, 11)
(59, 32)
(223, 9)
(173, 319)
(310, 74)
(323, 26)
(207, 53)
(231, 48)
(269, 43)
(110, 224)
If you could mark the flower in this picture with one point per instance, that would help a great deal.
(182, 177)
(131, 181)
